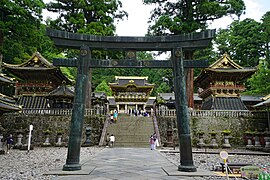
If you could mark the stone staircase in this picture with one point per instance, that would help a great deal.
(131, 131)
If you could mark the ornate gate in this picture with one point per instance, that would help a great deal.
(177, 44)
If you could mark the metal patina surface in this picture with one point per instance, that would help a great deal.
(176, 44)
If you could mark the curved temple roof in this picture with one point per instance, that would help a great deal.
(37, 68)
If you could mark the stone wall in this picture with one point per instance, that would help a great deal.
(12, 123)
(237, 125)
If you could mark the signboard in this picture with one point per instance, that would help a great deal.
(224, 155)
(250, 172)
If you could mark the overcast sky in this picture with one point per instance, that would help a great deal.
(136, 24)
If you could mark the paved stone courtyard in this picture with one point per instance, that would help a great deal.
(130, 163)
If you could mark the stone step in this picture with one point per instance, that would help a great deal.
(131, 131)
(134, 144)
(120, 129)
(131, 138)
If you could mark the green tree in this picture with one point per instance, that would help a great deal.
(266, 30)
(186, 16)
(243, 40)
(20, 23)
(259, 83)
(163, 88)
(90, 17)
(104, 87)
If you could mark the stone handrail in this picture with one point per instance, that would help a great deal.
(104, 131)
(208, 113)
(156, 128)
(88, 112)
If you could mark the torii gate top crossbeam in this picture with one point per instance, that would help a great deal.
(148, 43)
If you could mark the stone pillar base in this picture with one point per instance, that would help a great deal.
(187, 168)
(72, 167)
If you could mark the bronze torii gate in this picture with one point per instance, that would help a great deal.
(176, 44)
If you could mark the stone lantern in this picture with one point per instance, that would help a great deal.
(59, 134)
(249, 136)
(257, 143)
(2, 131)
(213, 143)
(19, 143)
(267, 140)
(226, 135)
(201, 143)
(47, 133)
(169, 142)
(88, 137)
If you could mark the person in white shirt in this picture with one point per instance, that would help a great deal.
(112, 140)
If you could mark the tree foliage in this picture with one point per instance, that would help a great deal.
(163, 88)
(243, 40)
(20, 23)
(186, 16)
(83, 16)
(266, 31)
(104, 87)
(88, 17)
(259, 83)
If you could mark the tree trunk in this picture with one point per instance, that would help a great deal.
(189, 81)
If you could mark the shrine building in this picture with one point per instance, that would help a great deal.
(131, 93)
(36, 79)
(221, 83)
(7, 103)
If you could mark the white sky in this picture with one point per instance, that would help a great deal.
(139, 14)
(136, 24)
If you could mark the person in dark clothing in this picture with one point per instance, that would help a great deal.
(9, 142)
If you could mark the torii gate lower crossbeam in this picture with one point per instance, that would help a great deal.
(176, 44)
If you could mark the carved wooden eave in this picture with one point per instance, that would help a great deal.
(37, 68)
(223, 69)
(61, 92)
(131, 89)
(266, 97)
(36, 61)
(131, 84)
(6, 80)
(223, 78)
(7, 104)
(225, 62)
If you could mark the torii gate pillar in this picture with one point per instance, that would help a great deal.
(77, 118)
(186, 160)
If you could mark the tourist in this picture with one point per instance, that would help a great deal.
(115, 114)
(9, 142)
(112, 140)
(152, 142)
(112, 121)
(155, 140)
(152, 112)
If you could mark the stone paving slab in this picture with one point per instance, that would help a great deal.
(212, 151)
(128, 163)
(172, 171)
(60, 172)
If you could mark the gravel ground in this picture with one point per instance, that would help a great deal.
(19, 165)
(207, 161)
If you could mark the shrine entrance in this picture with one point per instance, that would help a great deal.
(177, 44)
